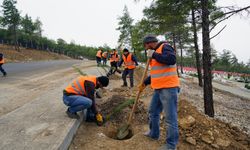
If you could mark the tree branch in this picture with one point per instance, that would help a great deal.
(220, 21)
(218, 32)
(232, 12)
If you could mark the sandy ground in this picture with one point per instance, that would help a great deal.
(197, 131)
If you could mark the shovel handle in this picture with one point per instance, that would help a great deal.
(139, 92)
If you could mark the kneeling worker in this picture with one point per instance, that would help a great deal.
(130, 63)
(79, 95)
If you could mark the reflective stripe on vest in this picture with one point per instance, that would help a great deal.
(162, 67)
(77, 86)
(162, 75)
(129, 63)
(98, 54)
(104, 55)
(114, 57)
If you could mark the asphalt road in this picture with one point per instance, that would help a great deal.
(19, 71)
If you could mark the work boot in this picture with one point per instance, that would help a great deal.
(119, 71)
(72, 115)
(125, 84)
(4, 74)
(147, 134)
(164, 147)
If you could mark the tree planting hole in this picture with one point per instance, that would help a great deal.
(111, 132)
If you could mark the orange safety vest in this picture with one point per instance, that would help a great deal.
(105, 54)
(162, 75)
(129, 63)
(99, 54)
(114, 57)
(2, 61)
(77, 86)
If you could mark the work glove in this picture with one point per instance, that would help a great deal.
(141, 87)
(99, 119)
(150, 53)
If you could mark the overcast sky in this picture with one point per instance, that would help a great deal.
(93, 22)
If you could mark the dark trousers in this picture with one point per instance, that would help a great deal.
(98, 60)
(129, 72)
(104, 61)
(2, 70)
(113, 68)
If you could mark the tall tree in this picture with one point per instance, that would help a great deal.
(28, 28)
(11, 19)
(125, 27)
(38, 27)
(207, 90)
(196, 47)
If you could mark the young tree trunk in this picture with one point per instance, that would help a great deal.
(181, 48)
(15, 38)
(174, 42)
(208, 91)
(197, 52)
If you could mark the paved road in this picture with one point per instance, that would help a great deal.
(19, 71)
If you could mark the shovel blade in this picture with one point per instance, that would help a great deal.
(123, 132)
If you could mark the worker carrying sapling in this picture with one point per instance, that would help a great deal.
(165, 82)
(79, 95)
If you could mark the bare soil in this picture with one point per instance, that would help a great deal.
(24, 55)
(197, 131)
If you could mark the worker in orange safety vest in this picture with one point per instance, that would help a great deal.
(99, 57)
(2, 61)
(104, 58)
(114, 59)
(130, 64)
(165, 82)
(79, 95)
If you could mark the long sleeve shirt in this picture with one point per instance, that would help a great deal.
(90, 93)
(133, 59)
(167, 57)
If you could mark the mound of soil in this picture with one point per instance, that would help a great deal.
(197, 131)
(12, 55)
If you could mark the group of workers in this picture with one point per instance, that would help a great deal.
(163, 78)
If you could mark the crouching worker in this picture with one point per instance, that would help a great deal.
(79, 95)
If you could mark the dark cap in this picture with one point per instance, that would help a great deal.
(103, 80)
(149, 39)
(125, 50)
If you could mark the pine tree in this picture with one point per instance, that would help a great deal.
(11, 19)
(125, 27)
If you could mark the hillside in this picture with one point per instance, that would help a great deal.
(11, 55)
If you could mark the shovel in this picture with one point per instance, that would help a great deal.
(125, 130)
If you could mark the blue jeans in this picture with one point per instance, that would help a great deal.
(77, 103)
(166, 100)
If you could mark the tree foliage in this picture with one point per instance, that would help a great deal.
(29, 33)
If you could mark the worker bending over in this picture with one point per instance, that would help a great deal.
(114, 59)
(79, 95)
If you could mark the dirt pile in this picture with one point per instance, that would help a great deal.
(12, 55)
(197, 131)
